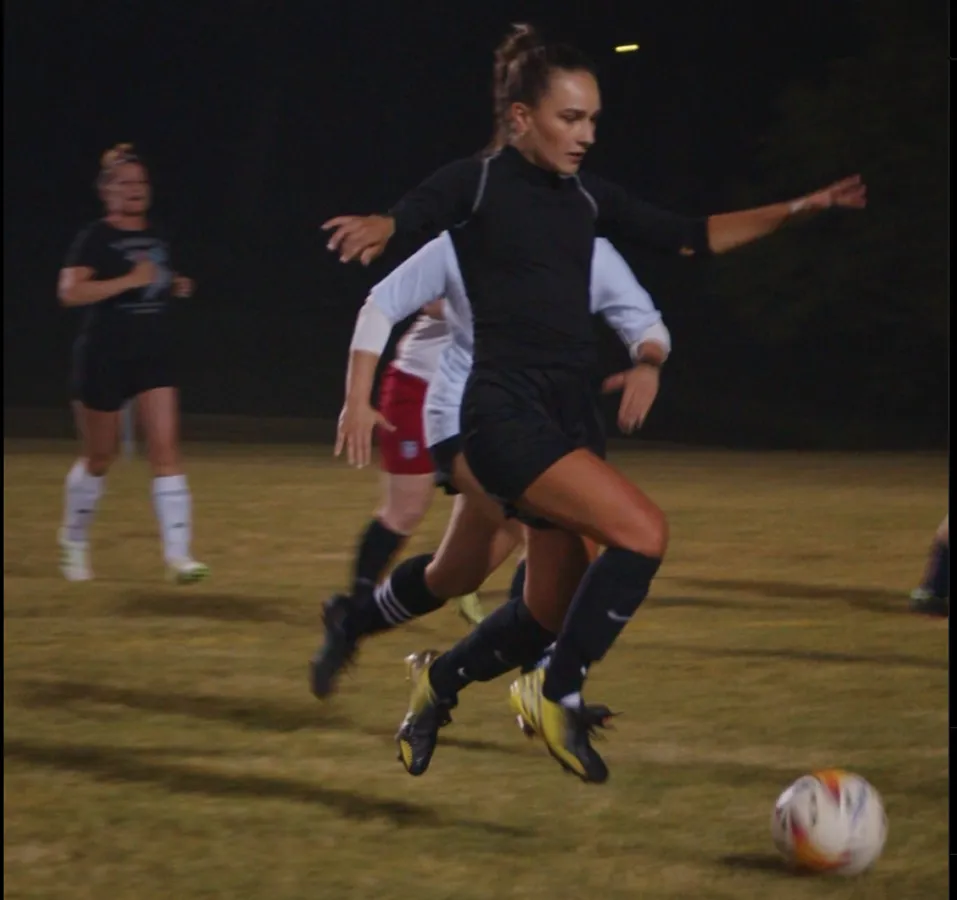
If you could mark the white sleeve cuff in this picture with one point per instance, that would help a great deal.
(372, 329)
(656, 333)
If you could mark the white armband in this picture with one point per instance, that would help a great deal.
(656, 333)
(372, 329)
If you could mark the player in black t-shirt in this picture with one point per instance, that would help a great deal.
(523, 221)
(119, 269)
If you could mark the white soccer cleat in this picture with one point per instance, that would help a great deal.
(186, 571)
(74, 559)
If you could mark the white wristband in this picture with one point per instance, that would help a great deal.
(657, 334)
(795, 206)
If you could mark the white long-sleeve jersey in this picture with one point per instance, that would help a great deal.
(433, 273)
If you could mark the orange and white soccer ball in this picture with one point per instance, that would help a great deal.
(830, 821)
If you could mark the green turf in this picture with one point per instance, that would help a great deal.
(161, 742)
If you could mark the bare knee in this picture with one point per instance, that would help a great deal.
(98, 463)
(641, 529)
(403, 518)
(407, 499)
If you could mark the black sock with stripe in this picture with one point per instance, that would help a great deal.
(401, 597)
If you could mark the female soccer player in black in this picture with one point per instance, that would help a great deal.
(119, 269)
(523, 222)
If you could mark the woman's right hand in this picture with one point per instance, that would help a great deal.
(357, 421)
(364, 237)
(143, 274)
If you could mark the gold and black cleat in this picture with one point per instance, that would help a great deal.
(566, 732)
(419, 731)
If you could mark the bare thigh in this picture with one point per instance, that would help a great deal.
(586, 495)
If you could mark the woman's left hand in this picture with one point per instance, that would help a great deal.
(850, 193)
(639, 387)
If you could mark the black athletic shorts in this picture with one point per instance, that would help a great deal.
(516, 425)
(104, 380)
(443, 456)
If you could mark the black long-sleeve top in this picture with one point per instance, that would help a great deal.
(524, 237)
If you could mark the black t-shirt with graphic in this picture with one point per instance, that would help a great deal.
(136, 322)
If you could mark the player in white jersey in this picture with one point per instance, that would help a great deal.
(407, 473)
(479, 537)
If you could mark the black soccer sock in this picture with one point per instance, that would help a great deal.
(377, 546)
(939, 581)
(404, 595)
(610, 593)
(507, 638)
(517, 587)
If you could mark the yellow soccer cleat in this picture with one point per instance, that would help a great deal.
(470, 609)
(419, 731)
(566, 732)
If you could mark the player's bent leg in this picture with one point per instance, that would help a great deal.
(158, 409)
(509, 536)
(556, 561)
(587, 495)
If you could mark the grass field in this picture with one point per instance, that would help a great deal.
(161, 742)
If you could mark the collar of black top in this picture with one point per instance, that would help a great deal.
(535, 174)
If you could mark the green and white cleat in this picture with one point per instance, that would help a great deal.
(186, 571)
(928, 603)
(74, 559)
(470, 609)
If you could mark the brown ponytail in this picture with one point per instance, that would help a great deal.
(523, 64)
(520, 40)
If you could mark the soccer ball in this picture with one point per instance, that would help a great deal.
(830, 821)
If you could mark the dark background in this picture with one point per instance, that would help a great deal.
(261, 119)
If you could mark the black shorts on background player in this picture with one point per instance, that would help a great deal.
(125, 345)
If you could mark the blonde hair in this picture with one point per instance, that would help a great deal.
(117, 155)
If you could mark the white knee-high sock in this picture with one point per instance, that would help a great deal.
(81, 493)
(174, 507)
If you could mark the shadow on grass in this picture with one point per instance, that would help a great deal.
(140, 603)
(868, 598)
(255, 714)
(882, 660)
(699, 602)
(113, 765)
(759, 862)
(223, 607)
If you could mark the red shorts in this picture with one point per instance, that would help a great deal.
(401, 401)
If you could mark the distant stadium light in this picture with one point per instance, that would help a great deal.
(626, 48)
